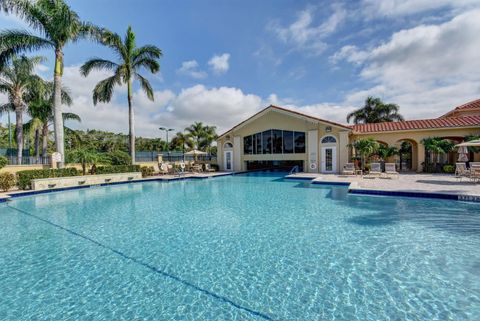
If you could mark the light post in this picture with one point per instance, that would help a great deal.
(166, 132)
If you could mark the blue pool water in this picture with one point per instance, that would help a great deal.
(246, 247)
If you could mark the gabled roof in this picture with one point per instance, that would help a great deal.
(465, 121)
(285, 110)
(472, 105)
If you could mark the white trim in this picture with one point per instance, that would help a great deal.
(323, 159)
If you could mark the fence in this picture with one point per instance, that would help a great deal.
(28, 160)
(152, 156)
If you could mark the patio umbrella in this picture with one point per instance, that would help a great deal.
(195, 153)
(463, 154)
(472, 143)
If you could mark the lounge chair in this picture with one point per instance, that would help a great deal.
(475, 173)
(208, 168)
(163, 168)
(391, 170)
(461, 171)
(375, 170)
(348, 169)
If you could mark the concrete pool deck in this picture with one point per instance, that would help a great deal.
(406, 183)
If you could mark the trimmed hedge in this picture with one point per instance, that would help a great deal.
(113, 169)
(3, 161)
(147, 171)
(24, 178)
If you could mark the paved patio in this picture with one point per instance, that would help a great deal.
(406, 182)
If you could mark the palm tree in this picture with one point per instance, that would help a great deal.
(366, 147)
(41, 111)
(196, 131)
(132, 59)
(437, 146)
(375, 111)
(182, 141)
(17, 80)
(57, 25)
(208, 137)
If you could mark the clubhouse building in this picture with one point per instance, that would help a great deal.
(279, 137)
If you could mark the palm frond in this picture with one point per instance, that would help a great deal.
(71, 116)
(4, 108)
(13, 42)
(148, 63)
(103, 91)
(97, 64)
(66, 98)
(145, 84)
(28, 11)
(147, 51)
(113, 41)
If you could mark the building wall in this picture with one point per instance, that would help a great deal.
(274, 119)
(415, 137)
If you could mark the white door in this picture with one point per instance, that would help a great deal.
(329, 159)
(228, 161)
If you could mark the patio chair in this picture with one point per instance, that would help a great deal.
(208, 168)
(461, 171)
(474, 164)
(348, 169)
(391, 170)
(375, 170)
(163, 168)
(475, 173)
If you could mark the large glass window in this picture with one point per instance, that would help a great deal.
(258, 143)
(299, 142)
(247, 145)
(267, 142)
(274, 141)
(277, 141)
(287, 142)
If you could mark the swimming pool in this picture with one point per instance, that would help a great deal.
(243, 247)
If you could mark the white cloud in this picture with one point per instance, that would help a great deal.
(394, 8)
(190, 68)
(427, 69)
(304, 35)
(220, 63)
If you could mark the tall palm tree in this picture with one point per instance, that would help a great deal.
(196, 131)
(132, 58)
(375, 111)
(41, 111)
(57, 25)
(17, 80)
(208, 137)
(182, 141)
(366, 147)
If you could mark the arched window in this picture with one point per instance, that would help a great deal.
(228, 145)
(328, 139)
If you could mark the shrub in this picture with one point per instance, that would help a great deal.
(112, 169)
(147, 171)
(7, 181)
(448, 169)
(3, 162)
(119, 157)
(24, 178)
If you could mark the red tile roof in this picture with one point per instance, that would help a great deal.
(466, 121)
(472, 105)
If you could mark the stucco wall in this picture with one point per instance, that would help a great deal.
(275, 119)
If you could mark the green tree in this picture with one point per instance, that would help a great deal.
(41, 111)
(57, 25)
(132, 58)
(17, 80)
(385, 151)
(209, 136)
(182, 142)
(375, 111)
(366, 147)
(85, 157)
(437, 146)
(196, 132)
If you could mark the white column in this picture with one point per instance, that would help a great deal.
(312, 151)
(342, 158)
(237, 154)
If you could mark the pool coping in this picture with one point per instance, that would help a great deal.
(355, 189)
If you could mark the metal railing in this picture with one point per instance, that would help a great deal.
(295, 169)
(28, 160)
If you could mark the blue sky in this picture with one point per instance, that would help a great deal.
(224, 60)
